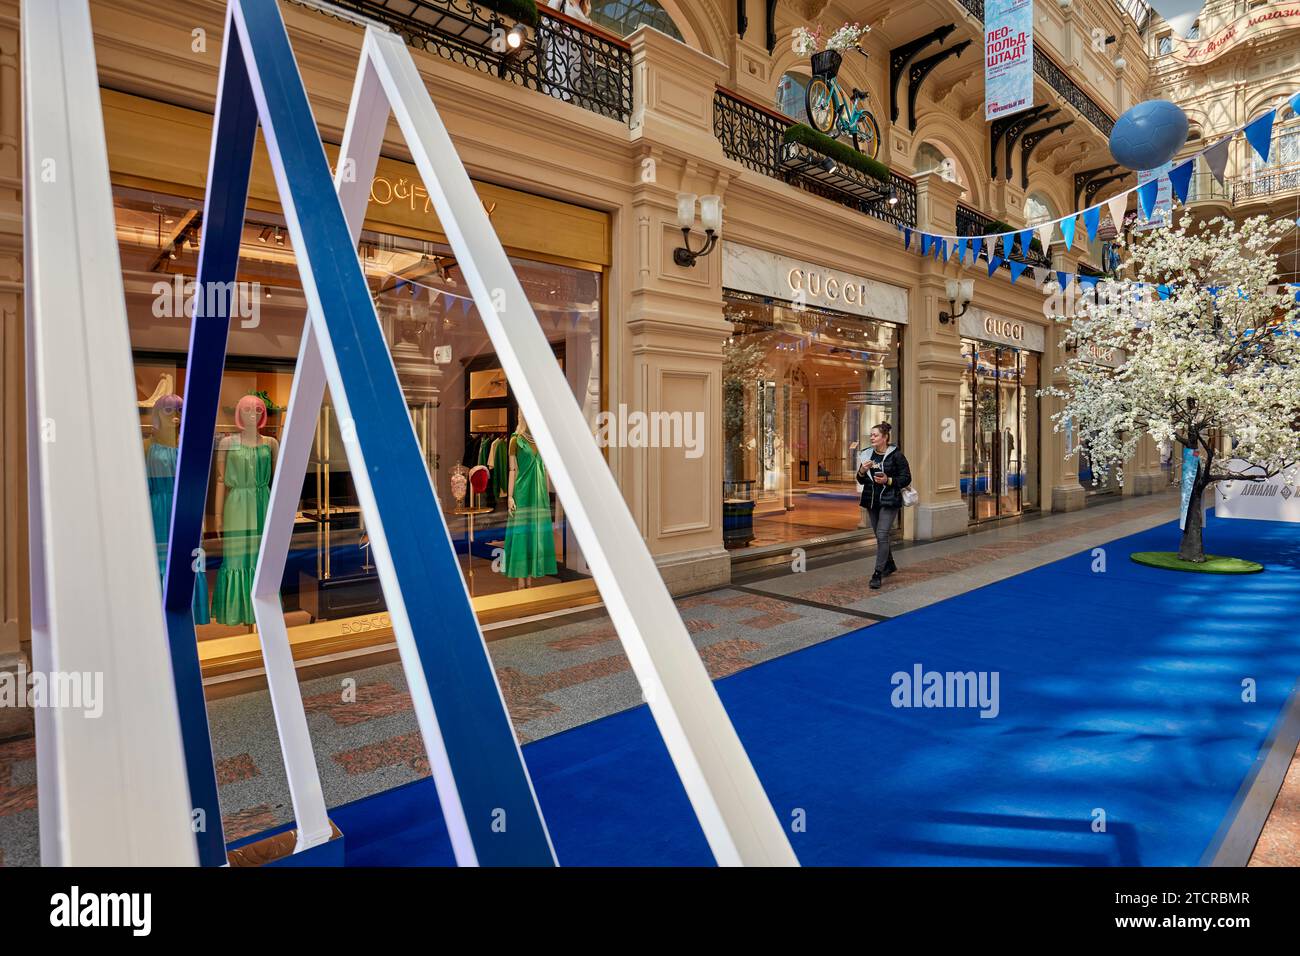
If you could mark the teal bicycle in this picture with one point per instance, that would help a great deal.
(832, 113)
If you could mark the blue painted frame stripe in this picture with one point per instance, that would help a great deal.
(480, 744)
(230, 166)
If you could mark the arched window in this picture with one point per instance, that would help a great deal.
(790, 93)
(1038, 209)
(624, 16)
(931, 156)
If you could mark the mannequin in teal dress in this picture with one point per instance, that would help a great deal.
(244, 465)
(530, 539)
(160, 467)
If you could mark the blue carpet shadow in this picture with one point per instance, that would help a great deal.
(1120, 702)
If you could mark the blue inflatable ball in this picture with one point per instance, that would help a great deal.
(1148, 135)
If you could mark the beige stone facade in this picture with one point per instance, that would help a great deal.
(1244, 61)
(665, 327)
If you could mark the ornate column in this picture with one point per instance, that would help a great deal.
(668, 350)
(1143, 475)
(932, 352)
(1060, 469)
(15, 623)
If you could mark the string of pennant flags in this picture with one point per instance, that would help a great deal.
(1258, 132)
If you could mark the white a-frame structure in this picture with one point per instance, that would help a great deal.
(121, 797)
(112, 787)
(726, 794)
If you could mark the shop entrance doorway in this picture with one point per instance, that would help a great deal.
(999, 453)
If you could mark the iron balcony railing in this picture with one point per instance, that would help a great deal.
(560, 57)
(1265, 183)
(755, 137)
(1059, 80)
(971, 222)
(1203, 187)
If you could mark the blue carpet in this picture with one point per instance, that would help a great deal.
(1120, 692)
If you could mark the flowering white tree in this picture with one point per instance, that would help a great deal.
(1210, 350)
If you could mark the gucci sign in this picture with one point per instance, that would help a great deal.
(1004, 329)
(987, 327)
(801, 283)
(817, 285)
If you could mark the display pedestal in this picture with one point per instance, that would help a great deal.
(340, 595)
(737, 522)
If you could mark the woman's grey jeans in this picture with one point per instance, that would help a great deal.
(882, 522)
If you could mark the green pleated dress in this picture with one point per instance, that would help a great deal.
(530, 540)
(248, 491)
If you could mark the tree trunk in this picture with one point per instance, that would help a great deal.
(1192, 547)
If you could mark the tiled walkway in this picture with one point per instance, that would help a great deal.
(571, 670)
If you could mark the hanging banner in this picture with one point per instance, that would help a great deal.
(1008, 57)
(1162, 211)
(1261, 21)
(1191, 464)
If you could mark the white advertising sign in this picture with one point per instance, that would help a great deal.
(1269, 500)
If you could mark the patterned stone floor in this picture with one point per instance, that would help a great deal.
(571, 670)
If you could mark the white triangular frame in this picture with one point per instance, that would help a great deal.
(113, 790)
(725, 792)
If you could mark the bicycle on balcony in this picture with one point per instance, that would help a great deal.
(833, 113)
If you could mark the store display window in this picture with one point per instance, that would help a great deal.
(511, 535)
(802, 388)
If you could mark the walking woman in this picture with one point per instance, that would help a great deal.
(883, 474)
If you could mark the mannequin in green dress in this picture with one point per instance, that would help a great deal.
(530, 541)
(244, 465)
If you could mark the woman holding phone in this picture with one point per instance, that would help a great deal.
(883, 474)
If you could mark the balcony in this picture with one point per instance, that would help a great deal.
(559, 56)
(754, 136)
(973, 223)
(1059, 80)
(1264, 185)
(1204, 188)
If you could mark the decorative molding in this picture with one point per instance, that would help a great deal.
(1030, 142)
(999, 128)
(900, 57)
(919, 70)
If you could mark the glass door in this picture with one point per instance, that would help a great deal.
(995, 455)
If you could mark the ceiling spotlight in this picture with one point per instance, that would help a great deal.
(893, 197)
(265, 234)
(515, 38)
(829, 165)
(279, 236)
(171, 251)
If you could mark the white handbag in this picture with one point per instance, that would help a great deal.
(910, 497)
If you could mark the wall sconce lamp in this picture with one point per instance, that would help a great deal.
(710, 219)
(960, 291)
